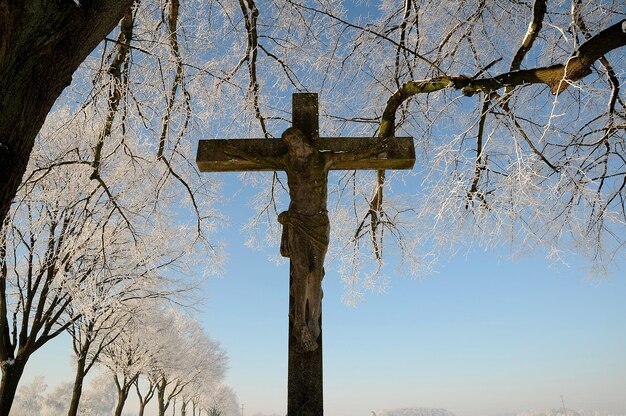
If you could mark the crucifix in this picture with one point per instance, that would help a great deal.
(306, 158)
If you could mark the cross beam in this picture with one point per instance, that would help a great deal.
(213, 155)
(306, 158)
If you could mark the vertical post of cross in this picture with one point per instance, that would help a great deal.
(304, 381)
(305, 113)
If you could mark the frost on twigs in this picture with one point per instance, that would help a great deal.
(511, 166)
(150, 348)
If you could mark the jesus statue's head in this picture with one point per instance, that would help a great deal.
(299, 144)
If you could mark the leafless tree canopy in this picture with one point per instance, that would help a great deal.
(515, 107)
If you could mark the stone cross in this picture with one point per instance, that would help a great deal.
(306, 158)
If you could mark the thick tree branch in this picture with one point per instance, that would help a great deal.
(557, 77)
(539, 12)
(480, 163)
(401, 48)
(251, 14)
(178, 81)
(118, 87)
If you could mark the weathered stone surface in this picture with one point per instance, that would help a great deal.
(399, 153)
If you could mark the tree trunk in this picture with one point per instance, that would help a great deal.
(183, 409)
(143, 400)
(11, 374)
(42, 44)
(77, 390)
(161, 398)
(122, 395)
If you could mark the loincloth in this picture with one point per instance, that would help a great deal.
(298, 228)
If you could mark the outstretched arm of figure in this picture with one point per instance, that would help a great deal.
(375, 148)
(275, 163)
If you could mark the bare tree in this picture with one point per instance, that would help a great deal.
(146, 396)
(76, 248)
(48, 248)
(204, 363)
(99, 397)
(170, 350)
(31, 398)
(124, 358)
(219, 400)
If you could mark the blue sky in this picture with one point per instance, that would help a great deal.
(482, 336)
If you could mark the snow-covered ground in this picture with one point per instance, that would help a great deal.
(424, 411)
(421, 411)
(568, 412)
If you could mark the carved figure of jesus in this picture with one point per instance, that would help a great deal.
(306, 231)
(306, 228)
